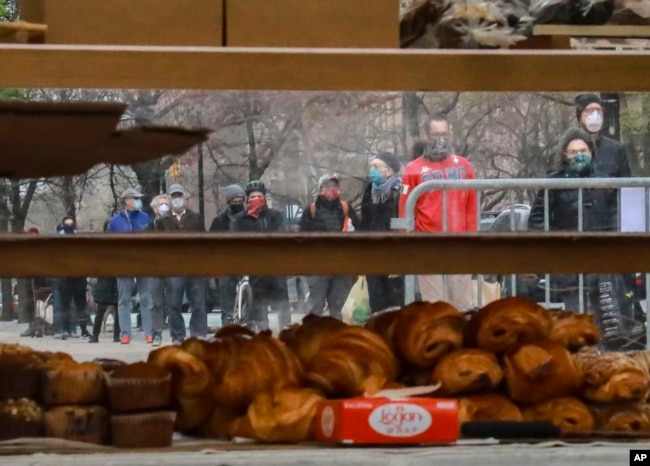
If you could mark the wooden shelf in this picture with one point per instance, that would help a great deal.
(300, 254)
(48, 66)
(591, 31)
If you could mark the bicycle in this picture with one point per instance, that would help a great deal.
(243, 300)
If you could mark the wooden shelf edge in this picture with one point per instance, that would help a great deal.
(48, 66)
(608, 30)
(320, 254)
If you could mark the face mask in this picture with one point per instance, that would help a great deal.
(163, 209)
(331, 194)
(594, 122)
(236, 208)
(437, 149)
(580, 163)
(255, 207)
(178, 203)
(138, 204)
(69, 229)
(376, 175)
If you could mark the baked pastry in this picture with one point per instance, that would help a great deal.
(305, 339)
(467, 371)
(139, 387)
(574, 330)
(21, 376)
(351, 361)
(234, 330)
(20, 418)
(383, 324)
(145, 430)
(487, 407)
(622, 417)
(568, 413)
(612, 377)
(220, 422)
(540, 371)
(424, 332)
(507, 322)
(279, 416)
(192, 386)
(69, 383)
(79, 423)
(108, 364)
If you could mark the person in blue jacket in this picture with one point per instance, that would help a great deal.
(130, 220)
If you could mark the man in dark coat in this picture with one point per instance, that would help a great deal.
(267, 291)
(380, 203)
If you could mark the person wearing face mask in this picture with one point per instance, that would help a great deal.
(379, 204)
(268, 292)
(181, 220)
(235, 199)
(599, 208)
(328, 214)
(610, 156)
(131, 219)
(438, 162)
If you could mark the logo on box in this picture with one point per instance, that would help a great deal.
(400, 420)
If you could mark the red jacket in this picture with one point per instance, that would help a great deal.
(461, 204)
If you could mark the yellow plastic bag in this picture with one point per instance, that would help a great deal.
(356, 309)
(489, 292)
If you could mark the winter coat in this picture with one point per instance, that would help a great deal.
(330, 209)
(599, 207)
(222, 221)
(105, 290)
(190, 222)
(376, 217)
(268, 221)
(611, 158)
(128, 221)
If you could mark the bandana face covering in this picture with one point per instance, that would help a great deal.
(255, 207)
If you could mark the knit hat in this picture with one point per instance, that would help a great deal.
(584, 100)
(325, 178)
(390, 160)
(233, 191)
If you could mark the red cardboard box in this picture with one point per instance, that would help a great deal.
(388, 420)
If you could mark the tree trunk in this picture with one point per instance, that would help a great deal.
(69, 196)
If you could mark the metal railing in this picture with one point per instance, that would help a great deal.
(546, 184)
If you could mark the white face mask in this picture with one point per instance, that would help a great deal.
(594, 122)
(163, 209)
(178, 202)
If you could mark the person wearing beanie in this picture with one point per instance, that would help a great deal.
(235, 197)
(610, 157)
(438, 162)
(268, 292)
(380, 203)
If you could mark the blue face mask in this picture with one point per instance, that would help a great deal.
(376, 176)
(138, 204)
(580, 163)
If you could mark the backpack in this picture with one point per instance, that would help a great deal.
(346, 219)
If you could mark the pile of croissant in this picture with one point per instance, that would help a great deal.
(511, 360)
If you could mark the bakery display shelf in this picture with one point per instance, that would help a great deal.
(134, 67)
(326, 254)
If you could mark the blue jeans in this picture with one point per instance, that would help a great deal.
(154, 298)
(125, 286)
(194, 287)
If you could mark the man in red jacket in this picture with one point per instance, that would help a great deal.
(439, 163)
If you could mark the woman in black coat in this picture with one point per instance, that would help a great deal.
(379, 204)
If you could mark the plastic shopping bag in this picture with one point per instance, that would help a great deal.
(356, 309)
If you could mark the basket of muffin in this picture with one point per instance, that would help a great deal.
(104, 402)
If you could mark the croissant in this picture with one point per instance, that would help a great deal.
(261, 363)
(220, 422)
(383, 324)
(424, 332)
(192, 385)
(305, 340)
(622, 417)
(351, 361)
(279, 416)
(466, 371)
(539, 371)
(504, 323)
(488, 407)
(574, 330)
(234, 330)
(568, 413)
(611, 377)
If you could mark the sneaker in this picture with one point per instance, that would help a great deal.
(93, 339)
(59, 336)
(157, 341)
(125, 340)
(72, 335)
(86, 334)
(149, 339)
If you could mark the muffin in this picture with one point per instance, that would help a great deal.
(20, 418)
(71, 383)
(147, 430)
(138, 387)
(21, 376)
(108, 365)
(79, 423)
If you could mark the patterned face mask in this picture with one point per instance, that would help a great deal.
(580, 163)
(437, 149)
